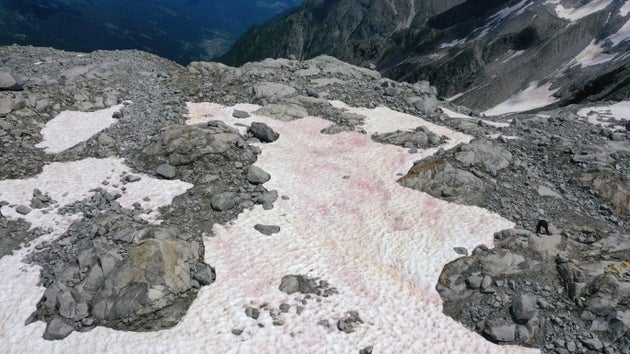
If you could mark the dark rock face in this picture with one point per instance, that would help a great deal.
(350, 30)
(483, 51)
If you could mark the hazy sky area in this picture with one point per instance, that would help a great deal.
(181, 30)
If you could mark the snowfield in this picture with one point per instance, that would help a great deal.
(343, 218)
(70, 128)
(534, 96)
(610, 115)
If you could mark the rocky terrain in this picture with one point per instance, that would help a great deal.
(478, 53)
(139, 264)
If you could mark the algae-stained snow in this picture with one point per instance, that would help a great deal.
(344, 219)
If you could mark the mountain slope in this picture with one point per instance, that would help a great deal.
(181, 30)
(479, 53)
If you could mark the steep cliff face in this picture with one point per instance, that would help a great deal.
(483, 54)
(354, 30)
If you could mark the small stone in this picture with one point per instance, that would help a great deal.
(267, 229)
(278, 322)
(324, 323)
(367, 350)
(299, 309)
(223, 201)
(290, 284)
(166, 171)
(285, 307)
(252, 312)
(474, 281)
(461, 251)
(237, 331)
(132, 178)
(22, 209)
(237, 113)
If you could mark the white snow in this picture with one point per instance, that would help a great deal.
(70, 128)
(453, 43)
(621, 35)
(532, 97)
(495, 19)
(67, 182)
(593, 54)
(625, 9)
(381, 120)
(513, 55)
(454, 114)
(574, 14)
(346, 220)
(606, 115)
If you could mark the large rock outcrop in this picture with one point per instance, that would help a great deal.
(566, 292)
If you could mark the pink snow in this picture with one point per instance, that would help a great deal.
(346, 220)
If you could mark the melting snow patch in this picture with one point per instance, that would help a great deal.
(453, 43)
(593, 54)
(68, 182)
(454, 114)
(606, 115)
(532, 97)
(70, 128)
(621, 35)
(574, 14)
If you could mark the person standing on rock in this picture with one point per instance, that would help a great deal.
(542, 224)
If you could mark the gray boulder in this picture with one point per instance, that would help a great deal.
(484, 154)
(523, 308)
(58, 328)
(166, 171)
(256, 175)
(153, 275)
(267, 229)
(223, 201)
(500, 332)
(272, 90)
(8, 82)
(240, 114)
(263, 132)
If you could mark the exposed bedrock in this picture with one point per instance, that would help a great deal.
(567, 292)
(117, 273)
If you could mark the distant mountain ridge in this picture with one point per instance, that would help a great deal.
(180, 30)
(479, 53)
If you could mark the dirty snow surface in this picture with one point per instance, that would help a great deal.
(611, 115)
(343, 219)
(534, 96)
